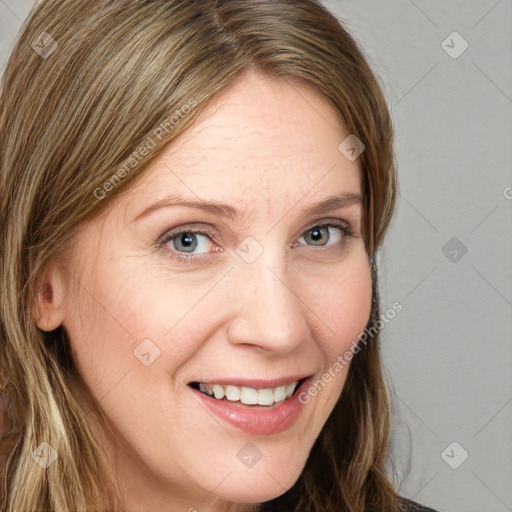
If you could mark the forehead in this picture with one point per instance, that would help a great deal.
(263, 142)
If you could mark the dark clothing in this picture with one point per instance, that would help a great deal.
(413, 506)
(417, 507)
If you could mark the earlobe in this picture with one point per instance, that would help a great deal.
(49, 301)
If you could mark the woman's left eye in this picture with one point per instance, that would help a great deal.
(317, 233)
(184, 242)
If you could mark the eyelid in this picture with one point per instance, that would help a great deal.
(186, 228)
(326, 220)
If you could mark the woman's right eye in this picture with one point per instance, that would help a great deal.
(187, 241)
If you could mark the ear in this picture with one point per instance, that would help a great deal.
(50, 300)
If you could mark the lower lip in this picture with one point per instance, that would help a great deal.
(257, 420)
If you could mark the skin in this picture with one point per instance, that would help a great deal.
(270, 150)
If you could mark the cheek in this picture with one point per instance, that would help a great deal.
(346, 302)
(107, 318)
(122, 318)
(344, 308)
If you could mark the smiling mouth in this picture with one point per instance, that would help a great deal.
(247, 395)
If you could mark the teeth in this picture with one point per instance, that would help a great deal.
(232, 393)
(289, 389)
(265, 397)
(279, 394)
(249, 396)
(218, 391)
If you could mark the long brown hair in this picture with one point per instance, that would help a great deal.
(87, 83)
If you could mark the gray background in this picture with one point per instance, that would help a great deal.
(448, 353)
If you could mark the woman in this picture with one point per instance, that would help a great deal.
(193, 194)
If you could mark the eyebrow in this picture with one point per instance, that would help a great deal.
(224, 210)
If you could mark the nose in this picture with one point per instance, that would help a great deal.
(269, 312)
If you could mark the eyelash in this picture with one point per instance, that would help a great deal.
(169, 236)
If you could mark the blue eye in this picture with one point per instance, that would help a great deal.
(188, 241)
(323, 231)
(184, 242)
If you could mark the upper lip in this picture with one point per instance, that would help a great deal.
(253, 383)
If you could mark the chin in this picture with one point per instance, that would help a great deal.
(257, 494)
(263, 485)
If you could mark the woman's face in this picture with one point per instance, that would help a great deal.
(262, 297)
